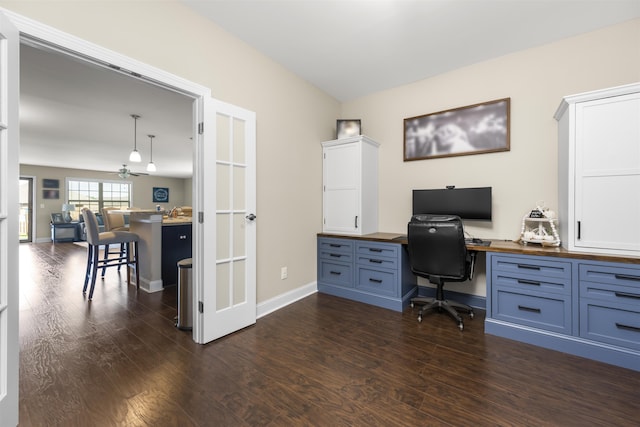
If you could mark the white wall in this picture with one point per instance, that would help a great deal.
(535, 80)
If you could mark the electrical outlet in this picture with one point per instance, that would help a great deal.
(283, 273)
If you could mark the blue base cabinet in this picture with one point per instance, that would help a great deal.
(372, 272)
(578, 306)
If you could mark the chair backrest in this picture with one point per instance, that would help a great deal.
(112, 220)
(91, 226)
(437, 249)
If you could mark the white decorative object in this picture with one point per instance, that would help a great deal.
(540, 226)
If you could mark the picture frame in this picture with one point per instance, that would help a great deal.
(50, 183)
(348, 128)
(160, 195)
(50, 194)
(474, 129)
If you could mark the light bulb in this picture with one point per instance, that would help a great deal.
(135, 156)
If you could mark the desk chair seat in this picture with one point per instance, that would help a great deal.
(438, 253)
(95, 239)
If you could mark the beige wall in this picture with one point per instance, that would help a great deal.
(142, 191)
(535, 80)
(292, 115)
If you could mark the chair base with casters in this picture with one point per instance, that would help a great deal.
(440, 303)
(96, 239)
(438, 253)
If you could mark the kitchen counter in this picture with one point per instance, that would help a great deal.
(176, 221)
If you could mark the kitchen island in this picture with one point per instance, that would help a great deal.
(148, 225)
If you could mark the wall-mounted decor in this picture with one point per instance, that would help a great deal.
(347, 128)
(50, 183)
(475, 129)
(160, 195)
(50, 194)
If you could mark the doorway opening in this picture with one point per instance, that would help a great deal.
(25, 215)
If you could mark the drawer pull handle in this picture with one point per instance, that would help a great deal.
(531, 309)
(627, 295)
(335, 255)
(375, 250)
(528, 282)
(375, 261)
(335, 273)
(627, 277)
(375, 280)
(335, 245)
(627, 327)
(529, 267)
(183, 237)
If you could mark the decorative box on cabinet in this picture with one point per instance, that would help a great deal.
(350, 186)
(176, 246)
(375, 273)
(575, 305)
(599, 171)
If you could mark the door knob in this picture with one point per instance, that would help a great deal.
(250, 217)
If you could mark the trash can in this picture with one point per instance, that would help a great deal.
(184, 320)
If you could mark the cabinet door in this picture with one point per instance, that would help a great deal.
(341, 172)
(608, 173)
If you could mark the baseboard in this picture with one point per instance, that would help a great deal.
(285, 299)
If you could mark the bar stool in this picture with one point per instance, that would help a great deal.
(113, 222)
(95, 239)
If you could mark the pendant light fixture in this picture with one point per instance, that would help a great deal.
(135, 155)
(151, 167)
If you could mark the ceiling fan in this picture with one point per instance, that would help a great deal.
(125, 172)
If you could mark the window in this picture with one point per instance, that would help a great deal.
(97, 194)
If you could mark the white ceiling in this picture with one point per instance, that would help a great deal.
(77, 115)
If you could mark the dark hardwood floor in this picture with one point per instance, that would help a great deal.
(323, 361)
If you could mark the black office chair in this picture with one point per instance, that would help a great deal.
(437, 252)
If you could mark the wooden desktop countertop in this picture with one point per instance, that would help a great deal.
(504, 246)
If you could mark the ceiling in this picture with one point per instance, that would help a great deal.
(77, 115)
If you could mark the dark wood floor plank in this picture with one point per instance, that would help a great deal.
(119, 360)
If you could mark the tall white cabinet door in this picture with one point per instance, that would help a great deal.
(607, 193)
(341, 169)
(350, 186)
(599, 171)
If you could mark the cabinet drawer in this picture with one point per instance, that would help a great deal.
(531, 283)
(335, 273)
(613, 275)
(611, 295)
(377, 281)
(549, 312)
(378, 262)
(335, 245)
(532, 267)
(377, 250)
(610, 325)
(336, 256)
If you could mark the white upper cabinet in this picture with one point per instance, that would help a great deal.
(599, 171)
(350, 186)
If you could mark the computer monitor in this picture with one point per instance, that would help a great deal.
(467, 203)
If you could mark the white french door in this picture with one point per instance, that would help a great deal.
(225, 286)
(9, 147)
